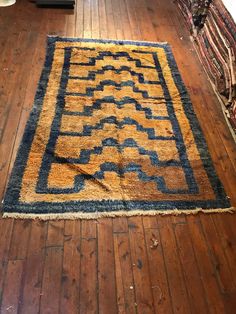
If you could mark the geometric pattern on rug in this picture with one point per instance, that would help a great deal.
(112, 132)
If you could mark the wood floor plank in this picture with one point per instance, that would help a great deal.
(10, 49)
(177, 285)
(89, 229)
(6, 227)
(19, 244)
(111, 29)
(230, 302)
(120, 224)
(159, 281)
(146, 28)
(125, 20)
(150, 222)
(142, 283)
(55, 236)
(87, 19)
(55, 23)
(70, 23)
(134, 25)
(70, 282)
(226, 230)
(10, 299)
(51, 285)
(88, 277)
(163, 19)
(117, 19)
(52, 274)
(192, 276)
(95, 19)
(79, 26)
(106, 268)
(33, 269)
(207, 271)
(102, 19)
(126, 302)
(223, 271)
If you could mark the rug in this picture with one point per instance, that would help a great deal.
(112, 132)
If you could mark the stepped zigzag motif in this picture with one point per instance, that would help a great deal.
(100, 87)
(88, 129)
(74, 146)
(79, 179)
(116, 56)
(88, 110)
(73, 123)
(85, 154)
(93, 74)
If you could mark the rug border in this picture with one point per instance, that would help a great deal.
(22, 155)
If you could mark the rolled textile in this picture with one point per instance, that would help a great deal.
(195, 12)
(214, 35)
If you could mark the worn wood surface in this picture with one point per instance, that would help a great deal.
(111, 265)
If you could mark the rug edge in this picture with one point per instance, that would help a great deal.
(55, 38)
(114, 214)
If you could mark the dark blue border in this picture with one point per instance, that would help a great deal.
(11, 203)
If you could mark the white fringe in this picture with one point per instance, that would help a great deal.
(97, 215)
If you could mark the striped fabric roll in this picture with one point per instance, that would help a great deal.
(195, 12)
(214, 35)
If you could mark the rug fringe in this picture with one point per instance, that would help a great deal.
(97, 215)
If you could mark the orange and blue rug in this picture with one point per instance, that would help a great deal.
(112, 132)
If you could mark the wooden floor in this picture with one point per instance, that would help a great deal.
(140, 265)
